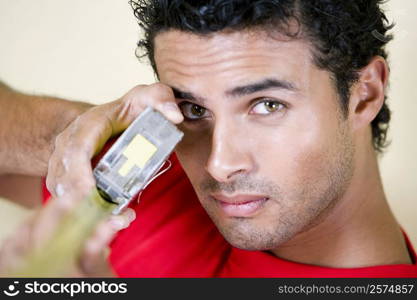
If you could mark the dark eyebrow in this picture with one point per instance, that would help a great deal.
(240, 90)
(187, 95)
(261, 86)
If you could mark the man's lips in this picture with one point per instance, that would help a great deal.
(240, 205)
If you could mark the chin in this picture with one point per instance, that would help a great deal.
(251, 238)
(250, 245)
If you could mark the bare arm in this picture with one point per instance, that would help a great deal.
(28, 127)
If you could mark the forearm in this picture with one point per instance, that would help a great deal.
(28, 127)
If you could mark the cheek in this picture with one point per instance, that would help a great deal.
(298, 152)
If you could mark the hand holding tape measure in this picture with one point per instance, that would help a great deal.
(125, 169)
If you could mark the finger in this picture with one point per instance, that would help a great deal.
(69, 171)
(94, 257)
(69, 168)
(159, 96)
(162, 98)
(123, 220)
(106, 230)
(105, 233)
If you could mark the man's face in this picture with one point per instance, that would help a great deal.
(266, 147)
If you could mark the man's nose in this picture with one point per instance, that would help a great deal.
(229, 155)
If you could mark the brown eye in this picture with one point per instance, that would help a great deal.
(267, 107)
(271, 106)
(193, 111)
(197, 110)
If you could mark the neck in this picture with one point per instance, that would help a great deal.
(359, 231)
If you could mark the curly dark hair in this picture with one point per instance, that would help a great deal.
(345, 35)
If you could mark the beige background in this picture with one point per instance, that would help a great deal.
(85, 50)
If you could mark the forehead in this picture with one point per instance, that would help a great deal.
(238, 54)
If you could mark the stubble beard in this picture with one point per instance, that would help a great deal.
(290, 212)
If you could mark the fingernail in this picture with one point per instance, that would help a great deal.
(170, 106)
(65, 163)
(172, 110)
(131, 215)
(118, 223)
(59, 190)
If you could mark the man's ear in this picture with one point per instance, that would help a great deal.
(368, 93)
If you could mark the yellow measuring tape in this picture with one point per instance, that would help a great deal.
(58, 255)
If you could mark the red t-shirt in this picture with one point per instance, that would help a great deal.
(173, 236)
